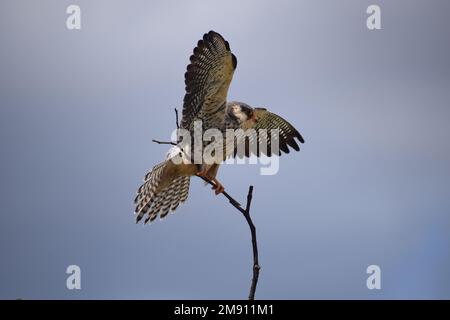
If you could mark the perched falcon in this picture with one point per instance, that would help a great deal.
(207, 80)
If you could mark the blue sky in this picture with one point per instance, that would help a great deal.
(370, 186)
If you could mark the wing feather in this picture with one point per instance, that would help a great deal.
(207, 80)
(267, 121)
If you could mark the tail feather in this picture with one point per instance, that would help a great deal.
(152, 201)
(172, 198)
(175, 198)
(181, 194)
(154, 210)
(184, 190)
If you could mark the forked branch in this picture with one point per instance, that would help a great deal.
(246, 213)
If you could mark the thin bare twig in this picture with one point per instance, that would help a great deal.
(256, 266)
(176, 118)
(178, 127)
(246, 213)
(164, 142)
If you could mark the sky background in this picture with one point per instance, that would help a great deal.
(371, 185)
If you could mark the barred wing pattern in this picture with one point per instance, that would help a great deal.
(207, 80)
(268, 121)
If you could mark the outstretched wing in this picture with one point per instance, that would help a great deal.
(207, 80)
(264, 132)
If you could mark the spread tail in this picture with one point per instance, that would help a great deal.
(160, 193)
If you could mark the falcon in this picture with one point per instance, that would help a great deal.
(207, 81)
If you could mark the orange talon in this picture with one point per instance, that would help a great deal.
(218, 187)
(202, 174)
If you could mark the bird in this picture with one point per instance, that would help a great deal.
(207, 80)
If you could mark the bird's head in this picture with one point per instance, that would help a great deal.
(241, 112)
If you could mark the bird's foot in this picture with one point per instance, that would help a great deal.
(203, 174)
(218, 187)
